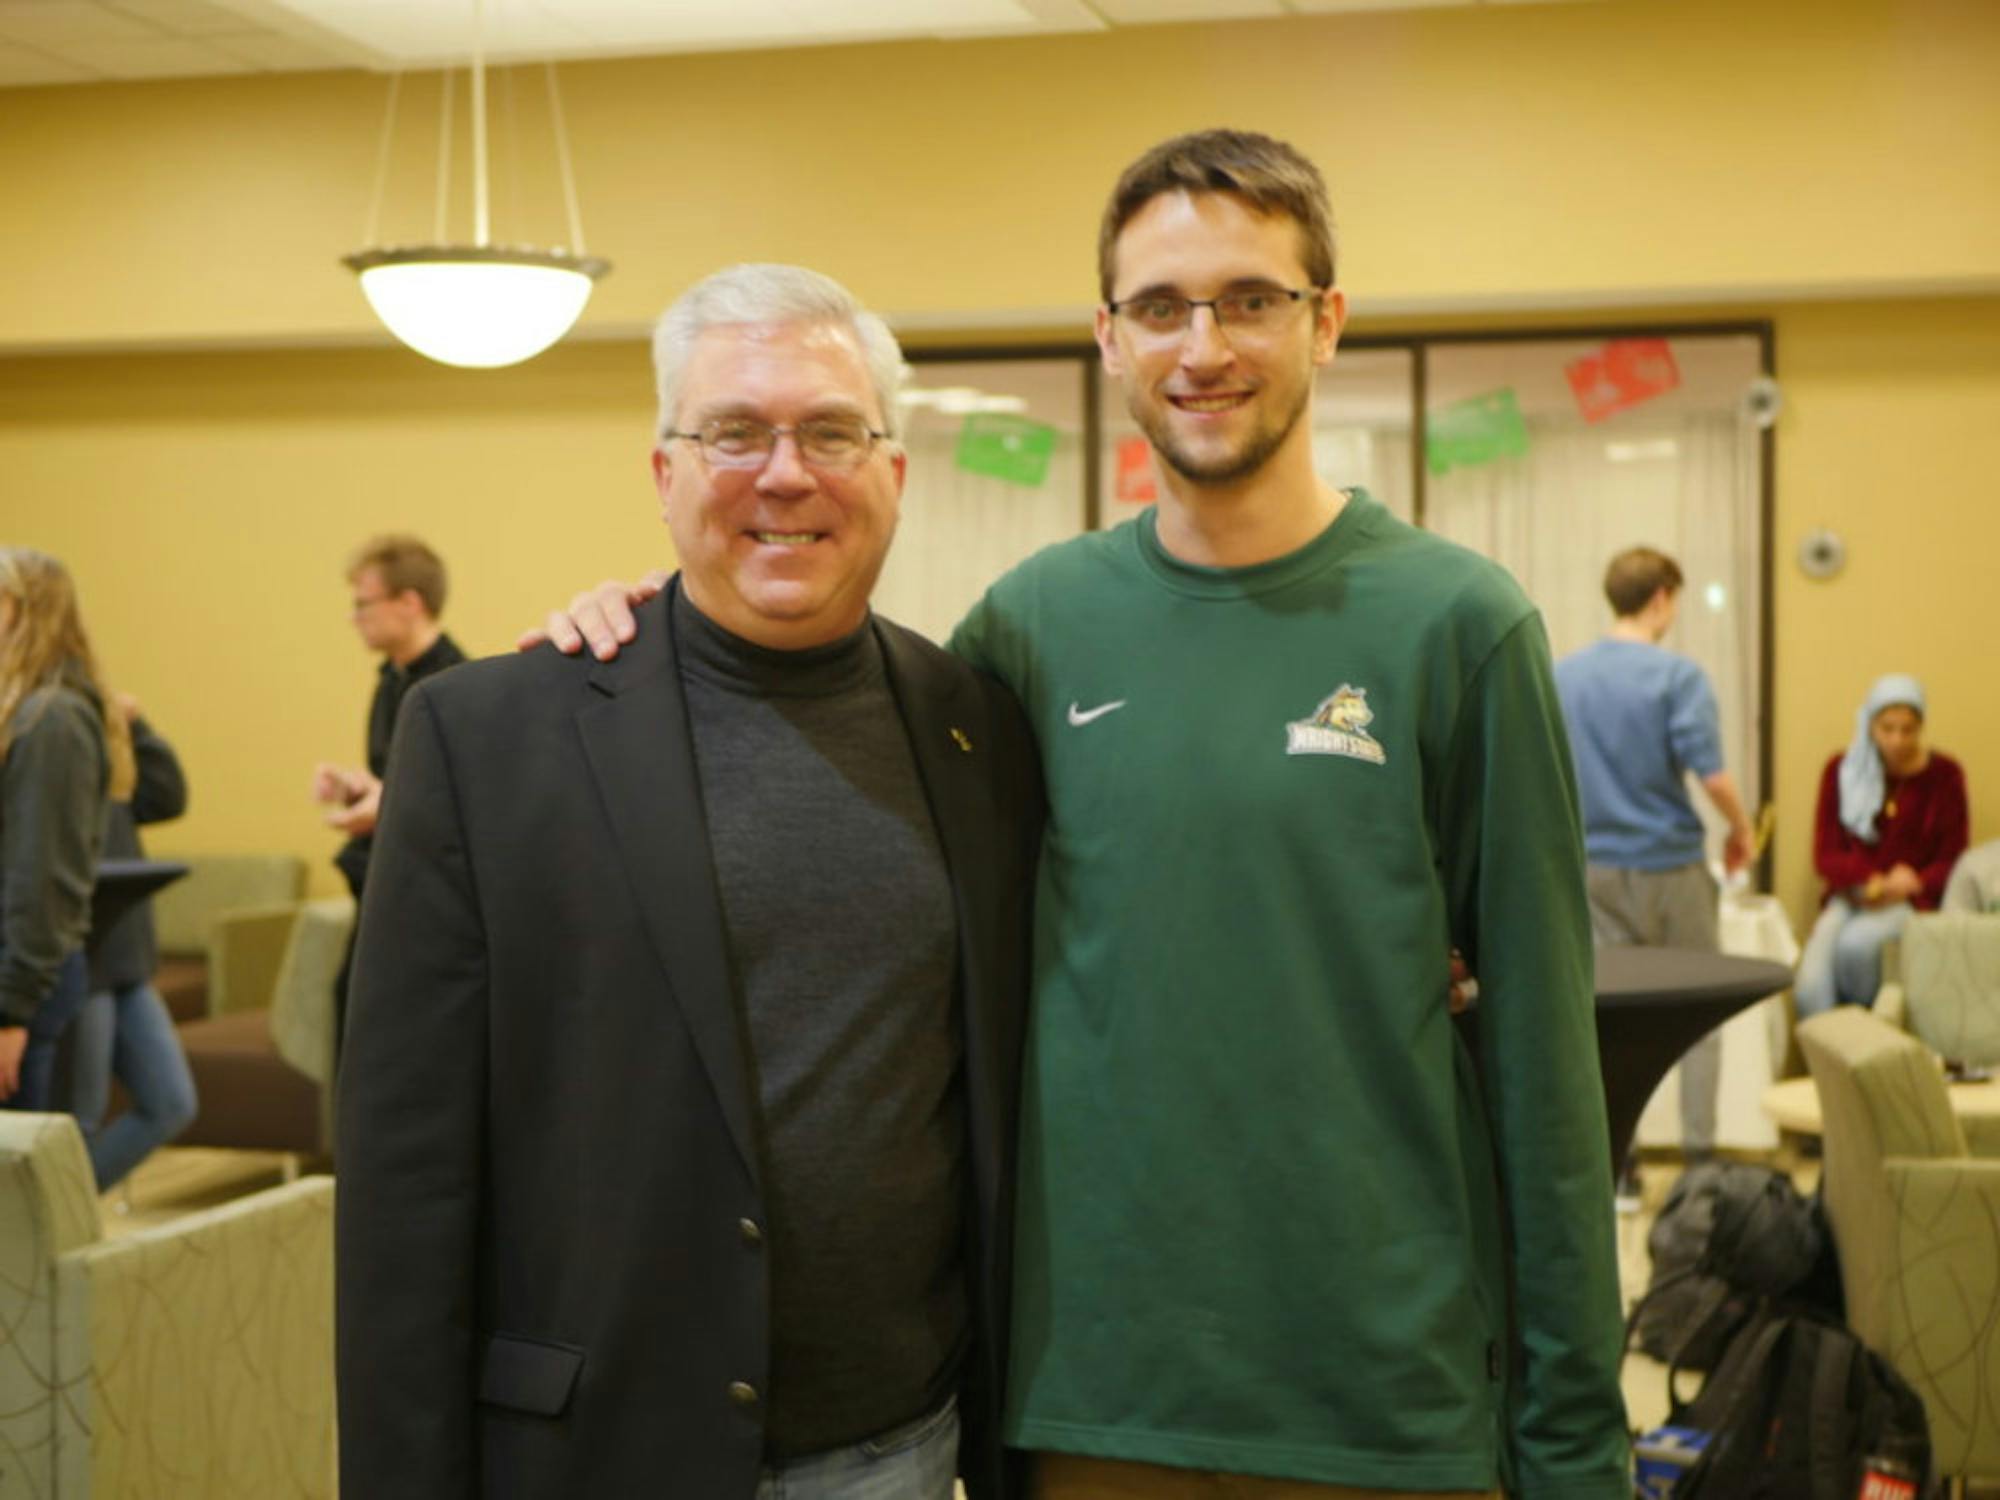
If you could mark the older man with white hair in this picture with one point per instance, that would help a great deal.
(682, 1062)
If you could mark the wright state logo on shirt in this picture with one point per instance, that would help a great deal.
(1339, 726)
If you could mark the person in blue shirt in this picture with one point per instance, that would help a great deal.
(1641, 718)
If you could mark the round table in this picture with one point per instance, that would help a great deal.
(1655, 1003)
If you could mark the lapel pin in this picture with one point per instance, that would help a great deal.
(961, 739)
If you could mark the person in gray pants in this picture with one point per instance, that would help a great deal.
(1640, 719)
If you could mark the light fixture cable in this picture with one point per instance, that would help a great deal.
(563, 163)
(476, 305)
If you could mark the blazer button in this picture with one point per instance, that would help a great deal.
(751, 1232)
(742, 1393)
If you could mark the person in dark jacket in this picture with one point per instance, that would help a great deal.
(124, 1028)
(399, 588)
(62, 749)
(698, 1185)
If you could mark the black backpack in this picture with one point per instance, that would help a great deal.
(1796, 1410)
(1729, 1236)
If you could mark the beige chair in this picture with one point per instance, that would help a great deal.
(191, 1361)
(184, 915)
(1948, 992)
(1916, 1219)
(263, 1063)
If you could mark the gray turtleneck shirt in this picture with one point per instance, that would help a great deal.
(843, 946)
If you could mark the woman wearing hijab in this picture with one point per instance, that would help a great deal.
(1892, 821)
(64, 749)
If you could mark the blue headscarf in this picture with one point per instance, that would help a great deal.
(1862, 779)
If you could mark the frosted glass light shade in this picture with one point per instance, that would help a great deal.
(476, 307)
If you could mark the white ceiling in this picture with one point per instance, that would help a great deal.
(91, 41)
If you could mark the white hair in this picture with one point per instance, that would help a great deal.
(770, 294)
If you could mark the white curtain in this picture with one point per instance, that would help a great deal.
(961, 530)
(1686, 484)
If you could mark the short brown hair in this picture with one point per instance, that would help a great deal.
(1635, 575)
(1269, 175)
(404, 563)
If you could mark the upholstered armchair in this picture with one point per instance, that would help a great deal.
(1946, 993)
(184, 916)
(189, 1361)
(263, 1060)
(1916, 1219)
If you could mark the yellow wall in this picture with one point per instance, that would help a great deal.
(1567, 159)
(207, 503)
(1891, 437)
(1527, 154)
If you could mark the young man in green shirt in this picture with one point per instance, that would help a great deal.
(1281, 1231)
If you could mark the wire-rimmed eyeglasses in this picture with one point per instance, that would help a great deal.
(1248, 309)
(747, 443)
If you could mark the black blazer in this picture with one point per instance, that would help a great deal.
(551, 1277)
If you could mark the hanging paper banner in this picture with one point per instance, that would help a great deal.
(1003, 446)
(1625, 372)
(1478, 430)
(1135, 472)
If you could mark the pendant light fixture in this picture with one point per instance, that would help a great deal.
(479, 305)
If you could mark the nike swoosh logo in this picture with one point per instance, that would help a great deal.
(1085, 715)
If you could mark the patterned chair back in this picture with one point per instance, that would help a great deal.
(48, 1207)
(1951, 984)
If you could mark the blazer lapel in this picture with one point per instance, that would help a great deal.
(641, 752)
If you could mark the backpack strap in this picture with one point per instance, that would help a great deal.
(1713, 1304)
(1738, 1383)
(1832, 1427)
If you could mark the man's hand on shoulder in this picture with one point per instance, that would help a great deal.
(601, 617)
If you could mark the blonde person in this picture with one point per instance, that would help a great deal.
(1892, 821)
(64, 749)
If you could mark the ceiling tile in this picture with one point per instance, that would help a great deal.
(56, 23)
(1149, 12)
(182, 17)
(22, 66)
(282, 54)
(73, 40)
(1327, 7)
(169, 57)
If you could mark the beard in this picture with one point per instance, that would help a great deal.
(1222, 468)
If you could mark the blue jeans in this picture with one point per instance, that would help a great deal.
(128, 1032)
(917, 1461)
(52, 1018)
(1842, 964)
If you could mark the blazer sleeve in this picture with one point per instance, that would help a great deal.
(412, 1096)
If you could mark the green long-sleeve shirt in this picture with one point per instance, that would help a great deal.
(1262, 1184)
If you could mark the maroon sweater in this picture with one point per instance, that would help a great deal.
(1927, 832)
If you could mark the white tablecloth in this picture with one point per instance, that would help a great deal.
(1753, 1040)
